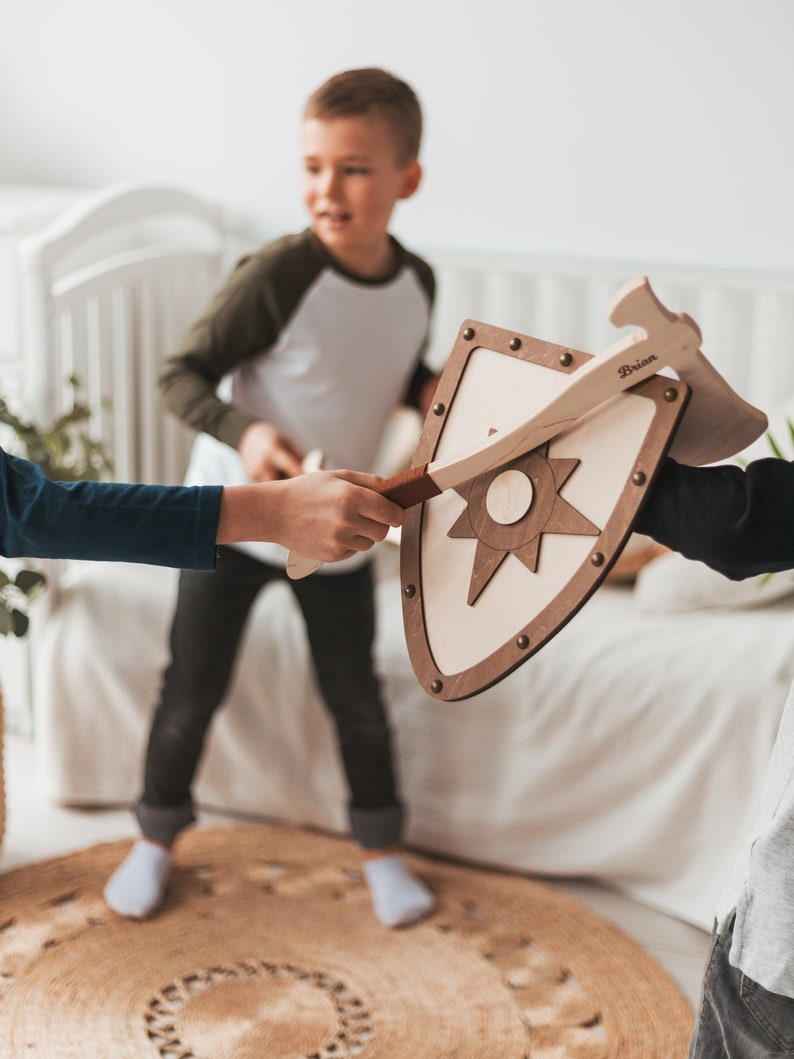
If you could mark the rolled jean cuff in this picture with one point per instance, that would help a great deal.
(162, 823)
(377, 828)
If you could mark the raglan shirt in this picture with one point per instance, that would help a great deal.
(295, 341)
(159, 525)
(742, 523)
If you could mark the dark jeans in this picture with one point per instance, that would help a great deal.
(211, 612)
(738, 1018)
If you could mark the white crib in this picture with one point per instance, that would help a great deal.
(108, 289)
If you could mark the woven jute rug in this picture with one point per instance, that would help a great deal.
(267, 948)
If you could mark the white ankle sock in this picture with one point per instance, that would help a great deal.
(137, 887)
(399, 898)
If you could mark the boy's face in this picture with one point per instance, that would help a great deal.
(351, 182)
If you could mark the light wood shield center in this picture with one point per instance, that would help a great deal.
(509, 497)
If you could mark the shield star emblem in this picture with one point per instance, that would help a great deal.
(493, 569)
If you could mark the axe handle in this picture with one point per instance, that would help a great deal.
(411, 487)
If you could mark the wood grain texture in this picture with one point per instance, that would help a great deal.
(718, 423)
(458, 650)
(723, 423)
(411, 487)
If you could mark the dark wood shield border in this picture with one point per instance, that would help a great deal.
(669, 396)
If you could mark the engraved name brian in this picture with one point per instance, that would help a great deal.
(627, 369)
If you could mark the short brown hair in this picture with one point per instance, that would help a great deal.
(376, 91)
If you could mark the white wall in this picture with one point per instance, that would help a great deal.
(658, 131)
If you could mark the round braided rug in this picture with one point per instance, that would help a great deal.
(267, 948)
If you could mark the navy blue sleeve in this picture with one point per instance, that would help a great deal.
(159, 525)
(738, 521)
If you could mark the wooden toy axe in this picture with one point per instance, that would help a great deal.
(717, 422)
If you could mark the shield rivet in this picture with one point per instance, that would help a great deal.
(468, 334)
(671, 395)
(638, 478)
(515, 343)
(439, 409)
(566, 359)
(597, 559)
(409, 591)
(436, 686)
(522, 642)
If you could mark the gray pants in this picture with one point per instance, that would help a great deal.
(738, 1018)
(208, 624)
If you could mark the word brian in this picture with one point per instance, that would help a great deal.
(628, 369)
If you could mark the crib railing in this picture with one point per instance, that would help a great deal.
(112, 328)
(108, 290)
(747, 320)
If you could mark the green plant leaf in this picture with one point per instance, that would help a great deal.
(65, 451)
(776, 450)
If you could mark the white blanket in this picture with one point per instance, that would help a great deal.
(631, 748)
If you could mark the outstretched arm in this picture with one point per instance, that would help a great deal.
(740, 522)
(329, 515)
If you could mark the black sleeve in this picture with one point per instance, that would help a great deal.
(413, 394)
(738, 521)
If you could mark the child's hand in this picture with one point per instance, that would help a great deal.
(331, 515)
(267, 454)
(327, 515)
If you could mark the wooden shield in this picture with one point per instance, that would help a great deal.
(492, 570)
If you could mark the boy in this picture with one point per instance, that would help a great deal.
(314, 341)
(742, 523)
(180, 526)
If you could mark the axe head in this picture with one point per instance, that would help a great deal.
(717, 422)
